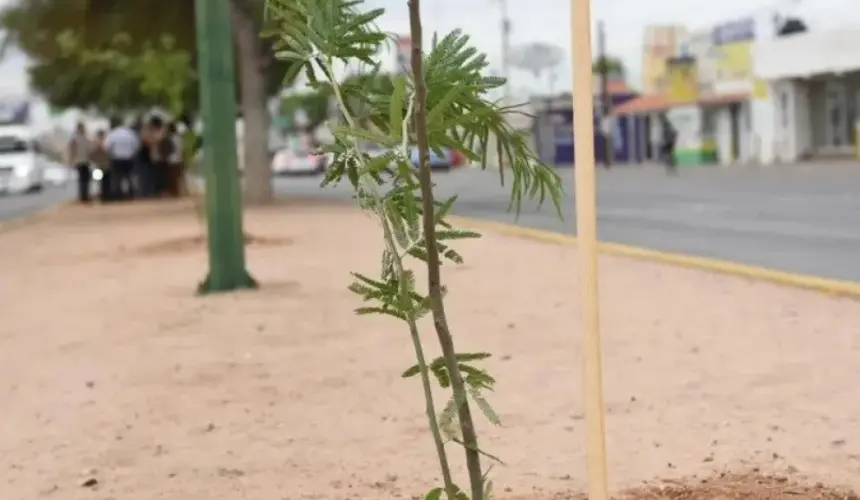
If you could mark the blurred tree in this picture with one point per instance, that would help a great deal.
(614, 66)
(159, 74)
(33, 25)
(315, 102)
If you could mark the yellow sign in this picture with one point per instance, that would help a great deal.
(682, 81)
(733, 62)
(760, 89)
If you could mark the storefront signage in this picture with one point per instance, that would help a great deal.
(682, 80)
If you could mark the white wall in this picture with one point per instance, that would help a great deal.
(807, 54)
(723, 135)
(687, 121)
(762, 147)
(791, 120)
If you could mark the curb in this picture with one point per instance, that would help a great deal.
(837, 288)
(25, 220)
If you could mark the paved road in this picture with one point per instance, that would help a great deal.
(18, 205)
(798, 218)
(803, 218)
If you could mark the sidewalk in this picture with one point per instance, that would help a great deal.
(112, 371)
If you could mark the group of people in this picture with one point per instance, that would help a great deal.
(140, 160)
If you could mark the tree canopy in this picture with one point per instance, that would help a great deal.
(613, 66)
(33, 26)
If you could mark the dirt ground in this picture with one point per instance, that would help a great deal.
(116, 382)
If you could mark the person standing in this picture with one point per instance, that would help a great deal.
(174, 161)
(79, 155)
(102, 162)
(145, 169)
(667, 147)
(122, 145)
(160, 151)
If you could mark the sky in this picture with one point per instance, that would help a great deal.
(548, 21)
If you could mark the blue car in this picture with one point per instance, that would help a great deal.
(437, 162)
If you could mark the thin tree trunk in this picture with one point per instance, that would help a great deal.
(255, 113)
(434, 275)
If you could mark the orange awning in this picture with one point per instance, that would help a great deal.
(655, 103)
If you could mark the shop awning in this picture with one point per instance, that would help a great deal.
(655, 103)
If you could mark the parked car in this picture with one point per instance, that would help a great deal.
(22, 166)
(437, 162)
(297, 162)
(447, 160)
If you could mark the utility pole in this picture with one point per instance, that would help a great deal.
(605, 96)
(506, 47)
(506, 67)
(226, 238)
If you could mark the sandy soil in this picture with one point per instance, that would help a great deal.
(115, 376)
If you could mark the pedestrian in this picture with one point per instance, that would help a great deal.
(122, 145)
(101, 160)
(667, 146)
(161, 149)
(174, 161)
(79, 155)
(145, 174)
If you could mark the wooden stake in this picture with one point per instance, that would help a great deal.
(586, 232)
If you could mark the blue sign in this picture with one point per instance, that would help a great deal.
(736, 31)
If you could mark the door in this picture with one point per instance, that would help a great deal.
(735, 131)
(836, 108)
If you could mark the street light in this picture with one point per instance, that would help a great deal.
(226, 238)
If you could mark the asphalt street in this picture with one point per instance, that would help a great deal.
(17, 205)
(797, 218)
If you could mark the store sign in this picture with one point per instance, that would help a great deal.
(687, 122)
(682, 80)
(733, 32)
(732, 56)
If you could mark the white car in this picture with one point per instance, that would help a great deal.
(296, 162)
(22, 166)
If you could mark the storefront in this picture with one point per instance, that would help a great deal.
(702, 127)
(553, 132)
(814, 79)
(713, 98)
(726, 71)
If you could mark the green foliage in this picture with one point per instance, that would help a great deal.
(387, 110)
(32, 26)
(160, 74)
(613, 66)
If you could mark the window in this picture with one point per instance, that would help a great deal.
(11, 144)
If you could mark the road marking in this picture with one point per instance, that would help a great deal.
(839, 288)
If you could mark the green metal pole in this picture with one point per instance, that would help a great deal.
(227, 269)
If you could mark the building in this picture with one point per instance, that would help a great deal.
(660, 43)
(553, 127)
(711, 96)
(814, 78)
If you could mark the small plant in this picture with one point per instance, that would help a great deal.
(444, 103)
